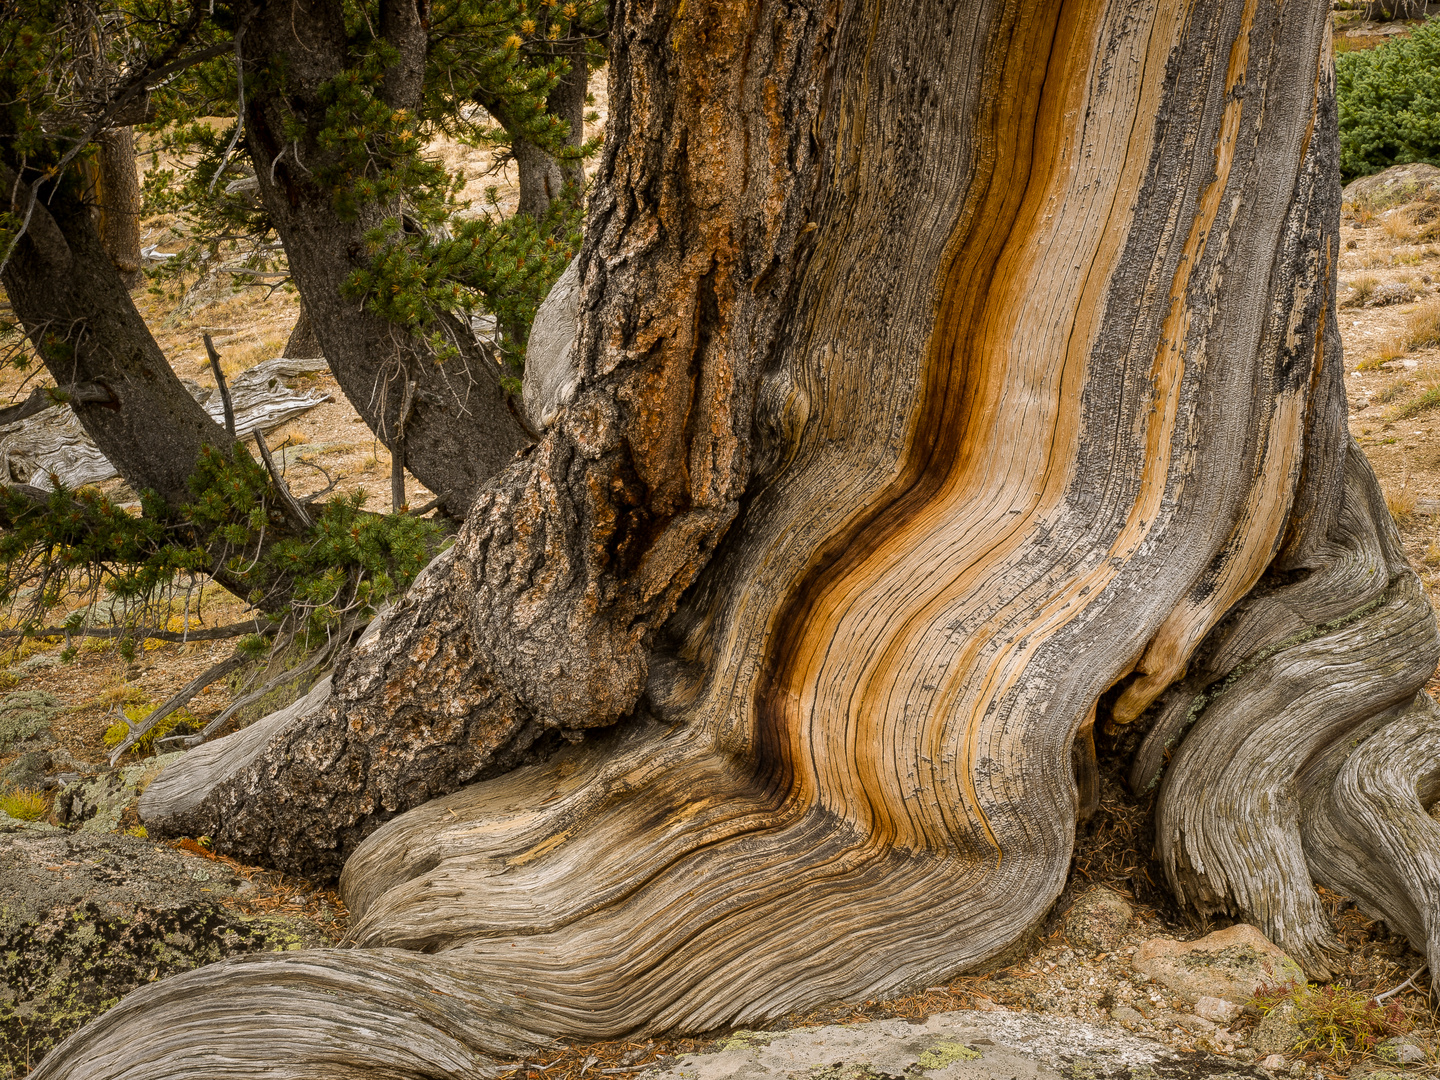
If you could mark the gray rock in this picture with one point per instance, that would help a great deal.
(1397, 184)
(1402, 1051)
(96, 806)
(86, 919)
(25, 713)
(1232, 964)
(26, 771)
(1279, 1031)
(949, 1046)
(1098, 921)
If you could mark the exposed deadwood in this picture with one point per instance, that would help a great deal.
(53, 442)
(1365, 826)
(296, 513)
(1229, 819)
(938, 378)
(226, 406)
(45, 397)
(233, 662)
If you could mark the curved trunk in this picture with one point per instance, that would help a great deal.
(75, 307)
(460, 427)
(944, 384)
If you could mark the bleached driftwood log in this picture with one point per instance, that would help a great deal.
(53, 443)
(947, 385)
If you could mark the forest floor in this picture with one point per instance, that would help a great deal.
(1389, 306)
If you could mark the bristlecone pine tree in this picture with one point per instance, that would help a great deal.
(948, 384)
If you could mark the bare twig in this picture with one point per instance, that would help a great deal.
(397, 452)
(239, 111)
(431, 505)
(1408, 982)
(320, 656)
(298, 518)
(190, 689)
(220, 382)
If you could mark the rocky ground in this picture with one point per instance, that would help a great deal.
(1115, 956)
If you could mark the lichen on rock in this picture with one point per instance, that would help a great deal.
(85, 919)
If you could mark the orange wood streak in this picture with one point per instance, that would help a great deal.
(866, 664)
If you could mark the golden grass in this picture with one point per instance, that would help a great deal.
(25, 804)
(1401, 503)
(1399, 227)
(1361, 289)
(1392, 348)
(1422, 326)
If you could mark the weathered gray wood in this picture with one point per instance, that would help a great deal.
(53, 442)
(1365, 827)
(551, 375)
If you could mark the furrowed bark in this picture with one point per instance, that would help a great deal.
(463, 428)
(855, 525)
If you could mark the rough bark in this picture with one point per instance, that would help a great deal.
(119, 201)
(944, 383)
(463, 428)
(302, 342)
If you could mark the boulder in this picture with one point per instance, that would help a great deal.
(1402, 1051)
(1097, 921)
(26, 713)
(1231, 964)
(964, 1045)
(1397, 184)
(85, 919)
(97, 804)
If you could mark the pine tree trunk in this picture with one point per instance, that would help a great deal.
(120, 203)
(948, 385)
(462, 427)
(72, 300)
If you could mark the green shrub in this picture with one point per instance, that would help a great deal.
(1390, 103)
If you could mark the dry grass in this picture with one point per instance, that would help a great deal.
(1391, 348)
(1399, 226)
(1422, 326)
(1401, 503)
(1361, 289)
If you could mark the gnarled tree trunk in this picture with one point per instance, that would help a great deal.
(947, 384)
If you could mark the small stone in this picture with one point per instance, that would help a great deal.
(1272, 1062)
(1126, 1016)
(1362, 403)
(1231, 964)
(1297, 1068)
(1216, 1009)
(1279, 1031)
(1401, 1051)
(1097, 921)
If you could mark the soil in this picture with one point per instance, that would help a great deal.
(1394, 395)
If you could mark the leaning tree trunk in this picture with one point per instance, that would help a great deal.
(73, 303)
(456, 426)
(119, 198)
(940, 378)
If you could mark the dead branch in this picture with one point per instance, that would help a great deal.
(189, 690)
